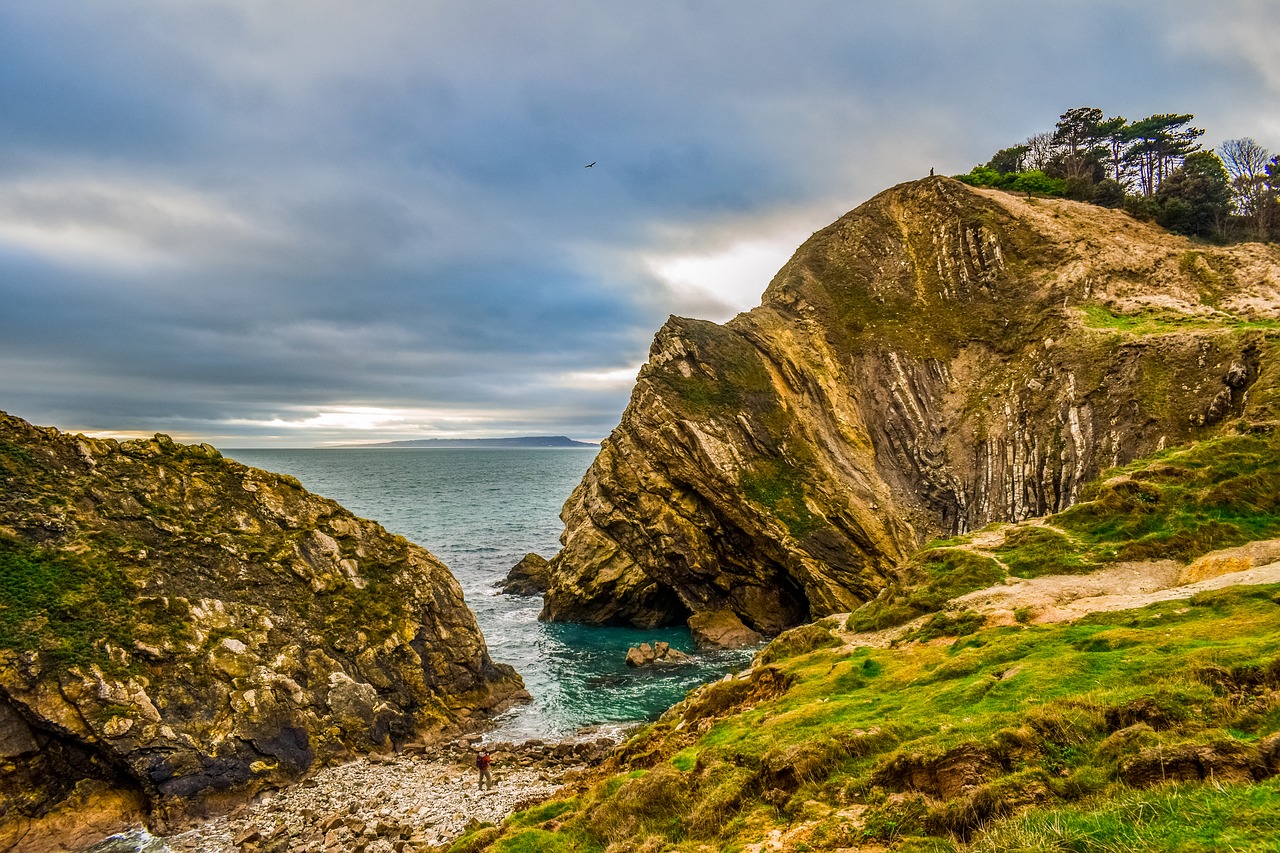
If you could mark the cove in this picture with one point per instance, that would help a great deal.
(480, 510)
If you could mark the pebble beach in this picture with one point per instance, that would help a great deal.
(416, 800)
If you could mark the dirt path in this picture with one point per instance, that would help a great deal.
(1060, 598)
(1124, 586)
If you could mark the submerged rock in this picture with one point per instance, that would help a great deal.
(184, 631)
(940, 358)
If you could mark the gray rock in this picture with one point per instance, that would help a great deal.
(658, 654)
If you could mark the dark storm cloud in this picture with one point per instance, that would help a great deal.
(304, 222)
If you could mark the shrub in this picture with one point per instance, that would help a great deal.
(718, 799)
(647, 802)
(1034, 181)
(948, 624)
(940, 574)
(797, 641)
(1108, 193)
(1031, 552)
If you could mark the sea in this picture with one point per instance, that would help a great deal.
(480, 510)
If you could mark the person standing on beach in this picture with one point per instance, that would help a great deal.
(482, 764)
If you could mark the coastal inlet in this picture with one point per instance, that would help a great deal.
(481, 511)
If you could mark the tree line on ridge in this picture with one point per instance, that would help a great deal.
(1154, 168)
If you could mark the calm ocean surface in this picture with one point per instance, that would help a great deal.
(480, 511)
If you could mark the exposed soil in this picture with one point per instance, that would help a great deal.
(1122, 586)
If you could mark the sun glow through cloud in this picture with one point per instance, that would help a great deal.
(735, 275)
(622, 377)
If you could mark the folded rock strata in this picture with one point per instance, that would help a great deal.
(937, 359)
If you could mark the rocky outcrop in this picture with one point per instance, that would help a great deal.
(721, 629)
(530, 576)
(188, 630)
(658, 654)
(937, 359)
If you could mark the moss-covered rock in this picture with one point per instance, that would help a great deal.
(180, 626)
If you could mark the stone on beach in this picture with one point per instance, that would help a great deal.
(404, 803)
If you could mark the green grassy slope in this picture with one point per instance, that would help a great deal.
(1179, 504)
(1141, 730)
(1092, 736)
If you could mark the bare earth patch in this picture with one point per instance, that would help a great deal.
(1124, 586)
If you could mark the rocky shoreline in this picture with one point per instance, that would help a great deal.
(415, 800)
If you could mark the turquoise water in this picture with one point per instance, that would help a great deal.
(480, 511)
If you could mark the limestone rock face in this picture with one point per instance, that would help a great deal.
(937, 359)
(721, 629)
(185, 629)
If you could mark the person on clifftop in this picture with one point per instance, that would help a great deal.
(482, 764)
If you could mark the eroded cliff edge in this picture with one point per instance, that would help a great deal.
(939, 358)
(179, 631)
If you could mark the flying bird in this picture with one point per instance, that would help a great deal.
(589, 165)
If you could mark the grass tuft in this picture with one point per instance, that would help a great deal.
(931, 579)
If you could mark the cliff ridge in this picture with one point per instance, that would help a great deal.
(939, 358)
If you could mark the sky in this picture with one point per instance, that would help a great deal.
(302, 223)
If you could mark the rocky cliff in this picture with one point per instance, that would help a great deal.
(939, 358)
(178, 631)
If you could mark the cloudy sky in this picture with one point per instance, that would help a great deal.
(298, 222)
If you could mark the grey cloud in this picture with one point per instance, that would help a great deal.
(218, 216)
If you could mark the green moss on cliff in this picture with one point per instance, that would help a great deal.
(376, 609)
(1157, 322)
(779, 487)
(15, 458)
(723, 372)
(1182, 503)
(175, 521)
(925, 272)
(930, 579)
(1030, 552)
(66, 606)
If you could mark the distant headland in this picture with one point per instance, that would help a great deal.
(525, 441)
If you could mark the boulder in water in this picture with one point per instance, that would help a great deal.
(658, 654)
(530, 576)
